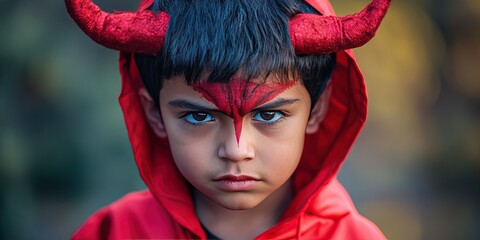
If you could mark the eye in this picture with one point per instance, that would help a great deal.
(268, 117)
(197, 118)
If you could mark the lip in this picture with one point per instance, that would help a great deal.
(232, 177)
(234, 183)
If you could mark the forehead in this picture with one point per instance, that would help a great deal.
(235, 99)
(238, 92)
(239, 96)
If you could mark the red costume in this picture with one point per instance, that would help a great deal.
(321, 208)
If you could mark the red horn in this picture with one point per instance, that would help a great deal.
(140, 32)
(314, 34)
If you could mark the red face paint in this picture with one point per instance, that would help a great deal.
(239, 97)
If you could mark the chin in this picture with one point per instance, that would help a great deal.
(239, 203)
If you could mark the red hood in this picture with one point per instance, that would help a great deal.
(323, 153)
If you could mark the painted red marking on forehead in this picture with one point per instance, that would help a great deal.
(239, 97)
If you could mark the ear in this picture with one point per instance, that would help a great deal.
(318, 111)
(152, 113)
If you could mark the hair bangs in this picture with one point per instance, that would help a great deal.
(217, 40)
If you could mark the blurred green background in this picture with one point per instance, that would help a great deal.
(414, 171)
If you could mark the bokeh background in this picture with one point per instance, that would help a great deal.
(414, 171)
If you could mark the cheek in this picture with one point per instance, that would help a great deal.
(281, 160)
(288, 149)
(284, 147)
(289, 133)
(191, 146)
(191, 159)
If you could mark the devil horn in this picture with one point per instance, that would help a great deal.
(314, 34)
(140, 32)
(145, 31)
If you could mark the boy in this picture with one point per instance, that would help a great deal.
(240, 114)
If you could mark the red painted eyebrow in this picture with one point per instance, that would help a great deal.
(181, 103)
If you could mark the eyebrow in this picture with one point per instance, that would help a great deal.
(181, 103)
(277, 103)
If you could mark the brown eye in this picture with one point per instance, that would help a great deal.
(199, 116)
(267, 115)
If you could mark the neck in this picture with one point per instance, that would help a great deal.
(243, 224)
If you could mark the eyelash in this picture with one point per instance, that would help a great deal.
(283, 115)
(212, 118)
(185, 117)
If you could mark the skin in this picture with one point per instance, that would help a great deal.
(239, 97)
(206, 146)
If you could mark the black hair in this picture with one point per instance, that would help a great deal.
(213, 40)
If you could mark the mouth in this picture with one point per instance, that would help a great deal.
(235, 183)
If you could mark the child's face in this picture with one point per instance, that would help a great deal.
(236, 153)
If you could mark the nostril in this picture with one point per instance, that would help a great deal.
(231, 150)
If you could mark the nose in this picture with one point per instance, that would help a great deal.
(232, 150)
